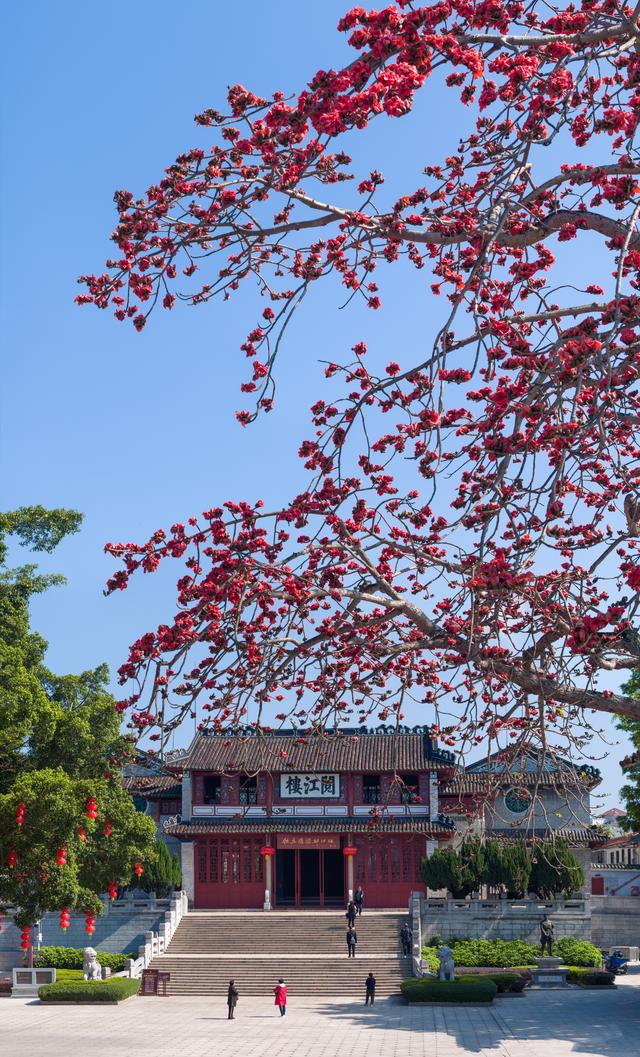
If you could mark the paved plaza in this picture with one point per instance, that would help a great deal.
(552, 1024)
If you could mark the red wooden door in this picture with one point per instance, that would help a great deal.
(229, 872)
(597, 886)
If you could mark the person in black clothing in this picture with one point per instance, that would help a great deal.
(359, 899)
(406, 938)
(232, 999)
(352, 939)
(370, 989)
(351, 914)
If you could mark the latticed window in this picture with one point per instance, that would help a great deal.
(407, 853)
(213, 862)
(246, 861)
(371, 789)
(384, 862)
(394, 857)
(202, 864)
(249, 791)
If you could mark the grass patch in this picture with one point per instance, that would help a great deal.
(89, 991)
(462, 989)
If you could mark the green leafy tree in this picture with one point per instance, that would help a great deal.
(160, 876)
(494, 865)
(554, 870)
(60, 750)
(516, 862)
(445, 869)
(630, 792)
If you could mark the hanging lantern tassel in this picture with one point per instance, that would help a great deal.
(12, 859)
(113, 890)
(90, 924)
(65, 919)
(20, 812)
(139, 869)
(25, 938)
(61, 857)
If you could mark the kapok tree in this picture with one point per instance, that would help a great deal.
(69, 832)
(502, 581)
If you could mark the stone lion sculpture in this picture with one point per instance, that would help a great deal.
(446, 970)
(90, 967)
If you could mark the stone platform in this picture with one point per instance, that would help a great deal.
(549, 974)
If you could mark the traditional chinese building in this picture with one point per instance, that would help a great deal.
(281, 820)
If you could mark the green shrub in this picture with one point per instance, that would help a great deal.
(463, 989)
(577, 952)
(71, 958)
(511, 983)
(591, 977)
(89, 991)
(430, 956)
(503, 954)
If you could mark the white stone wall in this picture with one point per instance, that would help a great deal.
(504, 919)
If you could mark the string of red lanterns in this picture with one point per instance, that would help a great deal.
(61, 857)
(20, 813)
(113, 890)
(25, 938)
(12, 859)
(139, 869)
(90, 924)
(92, 808)
(65, 919)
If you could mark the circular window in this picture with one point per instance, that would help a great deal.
(518, 801)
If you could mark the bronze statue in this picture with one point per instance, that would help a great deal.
(546, 935)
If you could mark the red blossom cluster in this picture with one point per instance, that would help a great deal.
(503, 582)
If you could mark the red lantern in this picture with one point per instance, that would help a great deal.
(108, 830)
(267, 851)
(25, 938)
(82, 833)
(65, 919)
(12, 859)
(61, 857)
(139, 869)
(113, 890)
(92, 808)
(90, 924)
(20, 810)
(349, 852)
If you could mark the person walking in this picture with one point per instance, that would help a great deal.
(370, 989)
(232, 999)
(406, 938)
(352, 939)
(280, 991)
(351, 914)
(359, 899)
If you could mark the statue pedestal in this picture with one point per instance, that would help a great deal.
(548, 973)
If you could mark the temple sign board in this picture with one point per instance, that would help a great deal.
(309, 786)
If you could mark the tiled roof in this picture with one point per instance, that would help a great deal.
(153, 784)
(316, 752)
(619, 842)
(467, 783)
(580, 835)
(634, 867)
(200, 827)
(630, 761)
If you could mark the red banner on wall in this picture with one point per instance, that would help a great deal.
(315, 842)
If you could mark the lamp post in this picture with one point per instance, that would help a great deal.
(349, 853)
(267, 853)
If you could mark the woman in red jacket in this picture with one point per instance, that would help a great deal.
(280, 991)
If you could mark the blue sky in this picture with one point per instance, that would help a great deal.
(137, 431)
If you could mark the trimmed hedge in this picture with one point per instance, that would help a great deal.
(502, 954)
(590, 977)
(577, 952)
(509, 954)
(89, 991)
(511, 983)
(71, 958)
(462, 989)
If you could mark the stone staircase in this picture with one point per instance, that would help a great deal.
(306, 948)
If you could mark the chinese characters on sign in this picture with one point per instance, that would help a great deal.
(307, 840)
(301, 786)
